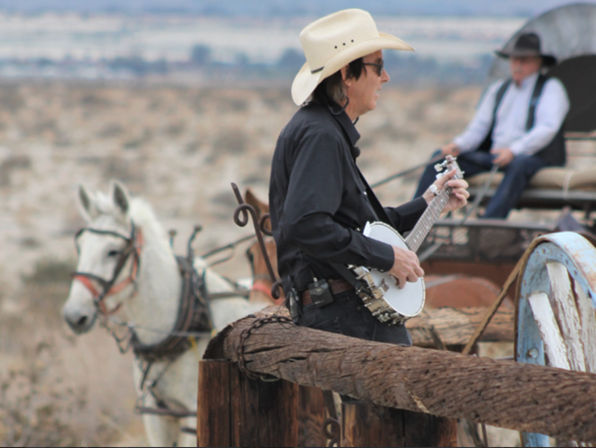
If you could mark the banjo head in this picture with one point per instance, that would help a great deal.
(409, 300)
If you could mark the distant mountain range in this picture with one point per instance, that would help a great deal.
(264, 8)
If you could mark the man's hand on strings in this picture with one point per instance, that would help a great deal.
(406, 267)
(458, 196)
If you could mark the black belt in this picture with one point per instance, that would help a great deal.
(337, 286)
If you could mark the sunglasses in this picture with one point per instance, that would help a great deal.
(378, 66)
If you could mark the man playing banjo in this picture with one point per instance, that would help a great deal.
(319, 200)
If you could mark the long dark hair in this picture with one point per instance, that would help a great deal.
(330, 90)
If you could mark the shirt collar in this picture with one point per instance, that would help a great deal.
(348, 127)
(529, 81)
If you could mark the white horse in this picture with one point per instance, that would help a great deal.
(128, 273)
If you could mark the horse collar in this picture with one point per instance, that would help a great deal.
(193, 317)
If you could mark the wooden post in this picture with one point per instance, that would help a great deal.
(234, 410)
(366, 424)
(506, 394)
(213, 404)
(311, 417)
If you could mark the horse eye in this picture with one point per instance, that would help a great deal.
(113, 253)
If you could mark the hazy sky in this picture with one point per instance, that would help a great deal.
(524, 8)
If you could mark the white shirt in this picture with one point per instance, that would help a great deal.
(510, 122)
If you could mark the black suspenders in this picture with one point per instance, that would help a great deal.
(533, 100)
(540, 81)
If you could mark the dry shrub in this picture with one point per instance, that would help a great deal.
(275, 99)
(230, 103)
(94, 99)
(56, 393)
(33, 410)
(12, 164)
(138, 141)
(115, 167)
(50, 270)
(111, 130)
(175, 129)
(57, 389)
(11, 98)
(192, 147)
(230, 141)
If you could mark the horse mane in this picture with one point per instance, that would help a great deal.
(139, 211)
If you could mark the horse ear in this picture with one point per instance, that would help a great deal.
(86, 204)
(120, 197)
(260, 207)
(251, 199)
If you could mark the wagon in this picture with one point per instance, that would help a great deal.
(558, 198)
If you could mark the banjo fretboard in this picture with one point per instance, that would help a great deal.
(427, 220)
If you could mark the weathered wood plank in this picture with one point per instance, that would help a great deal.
(456, 326)
(258, 410)
(588, 327)
(311, 417)
(378, 426)
(213, 418)
(554, 345)
(235, 410)
(563, 302)
(501, 393)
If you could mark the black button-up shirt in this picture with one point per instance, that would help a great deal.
(319, 201)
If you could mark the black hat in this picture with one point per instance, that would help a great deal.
(527, 44)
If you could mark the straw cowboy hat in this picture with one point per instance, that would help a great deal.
(527, 44)
(334, 41)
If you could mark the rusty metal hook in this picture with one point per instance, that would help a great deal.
(241, 217)
(262, 225)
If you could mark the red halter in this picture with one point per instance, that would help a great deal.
(89, 280)
(264, 287)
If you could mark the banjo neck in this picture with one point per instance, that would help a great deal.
(385, 301)
(427, 220)
(434, 209)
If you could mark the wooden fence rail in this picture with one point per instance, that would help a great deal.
(521, 397)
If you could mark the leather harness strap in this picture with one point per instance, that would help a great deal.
(110, 287)
(263, 287)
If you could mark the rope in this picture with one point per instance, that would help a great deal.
(231, 245)
(154, 330)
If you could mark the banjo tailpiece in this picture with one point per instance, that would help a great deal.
(373, 298)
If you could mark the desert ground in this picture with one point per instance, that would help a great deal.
(179, 147)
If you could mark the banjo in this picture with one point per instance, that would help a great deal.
(381, 295)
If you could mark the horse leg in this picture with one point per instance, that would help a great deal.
(160, 430)
(187, 438)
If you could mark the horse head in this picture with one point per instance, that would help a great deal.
(108, 258)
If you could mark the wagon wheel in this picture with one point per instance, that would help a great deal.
(556, 298)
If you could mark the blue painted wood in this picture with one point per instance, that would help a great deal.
(530, 350)
(579, 257)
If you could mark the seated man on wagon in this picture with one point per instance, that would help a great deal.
(518, 126)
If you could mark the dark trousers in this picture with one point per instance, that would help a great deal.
(516, 176)
(347, 315)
